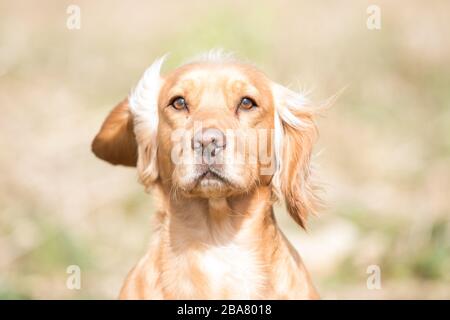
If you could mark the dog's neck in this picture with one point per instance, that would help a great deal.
(223, 248)
(214, 247)
(216, 221)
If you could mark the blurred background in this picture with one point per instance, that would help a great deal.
(383, 154)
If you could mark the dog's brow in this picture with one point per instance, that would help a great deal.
(244, 86)
(184, 85)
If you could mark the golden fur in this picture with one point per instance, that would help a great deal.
(217, 239)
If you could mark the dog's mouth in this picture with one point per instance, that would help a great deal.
(212, 174)
(212, 178)
(210, 181)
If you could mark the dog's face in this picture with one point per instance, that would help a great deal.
(214, 129)
(215, 125)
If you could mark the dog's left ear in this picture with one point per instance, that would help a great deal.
(116, 142)
(295, 134)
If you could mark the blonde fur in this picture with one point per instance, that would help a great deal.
(213, 238)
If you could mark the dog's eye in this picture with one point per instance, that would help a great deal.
(247, 104)
(178, 103)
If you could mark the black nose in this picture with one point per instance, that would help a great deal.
(211, 140)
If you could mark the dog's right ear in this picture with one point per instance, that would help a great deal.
(116, 141)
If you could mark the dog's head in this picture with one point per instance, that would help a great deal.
(214, 128)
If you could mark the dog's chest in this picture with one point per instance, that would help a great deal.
(223, 272)
(232, 269)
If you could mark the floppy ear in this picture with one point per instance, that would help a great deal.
(295, 134)
(116, 142)
(144, 107)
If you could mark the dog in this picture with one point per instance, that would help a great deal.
(215, 235)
